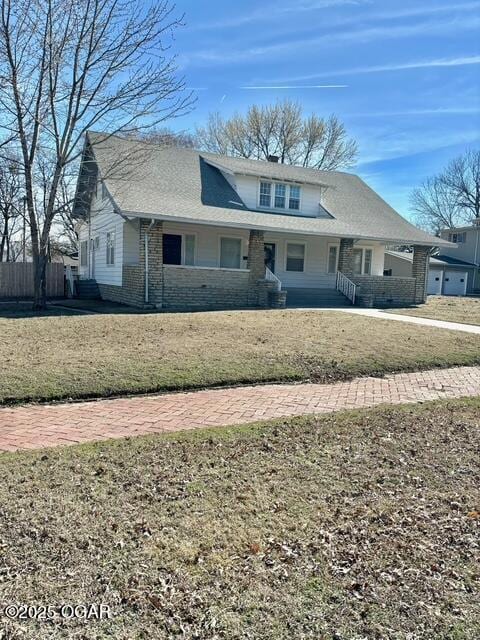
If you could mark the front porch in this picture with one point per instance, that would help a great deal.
(186, 266)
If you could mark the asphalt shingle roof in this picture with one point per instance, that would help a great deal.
(181, 184)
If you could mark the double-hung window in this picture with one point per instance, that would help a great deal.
(110, 247)
(265, 194)
(362, 262)
(294, 198)
(295, 257)
(277, 195)
(280, 195)
(230, 253)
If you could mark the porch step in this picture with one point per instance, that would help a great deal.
(87, 290)
(322, 298)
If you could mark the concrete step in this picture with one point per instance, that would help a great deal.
(316, 298)
(87, 290)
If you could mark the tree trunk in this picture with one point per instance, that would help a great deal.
(40, 280)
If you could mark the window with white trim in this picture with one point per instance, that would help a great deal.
(295, 257)
(278, 195)
(110, 246)
(362, 261)
(367, 262)
(265, 194)
(230, 253)
(458, 238)
(332, 259)
(83, 253)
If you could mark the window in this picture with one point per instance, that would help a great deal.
(285, 196)
(294, 199)
(357, 261)
(189, 250)
(458, 238)
(230, 253)
(172, 248)
(265, 194)
(178, 249)
(83, 253)
(295, 257)
(332, 259)
(111, 247)
(362, 261)
(104, 192)
(280, 194)
(367, 263)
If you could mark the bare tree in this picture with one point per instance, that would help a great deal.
(280, 130)
(69, 66)
(11, 210)
(452, 197)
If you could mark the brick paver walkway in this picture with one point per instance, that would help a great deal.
(36, 426)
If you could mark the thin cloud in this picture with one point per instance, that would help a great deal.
(275, 10)
(418, 112)
(402, 66)
(362, 35)
(301, 86)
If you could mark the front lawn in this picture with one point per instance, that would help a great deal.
(101, 355)
(452, 309)
(347, 526)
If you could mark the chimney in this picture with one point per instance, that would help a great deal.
(272, 159)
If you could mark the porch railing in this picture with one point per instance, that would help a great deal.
(346, 286)
(271, 277)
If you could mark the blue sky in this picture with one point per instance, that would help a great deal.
(403, 76)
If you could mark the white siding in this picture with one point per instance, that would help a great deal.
(248, 189)
(104, 220)
(316, 253)
(315, 272)
(207, 241)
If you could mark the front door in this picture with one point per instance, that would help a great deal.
(270, 256)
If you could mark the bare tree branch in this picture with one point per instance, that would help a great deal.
(68, 66)
(280, 130)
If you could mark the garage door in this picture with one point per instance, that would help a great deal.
(434, 286)
(455, 283)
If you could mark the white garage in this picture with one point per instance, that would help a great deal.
(435, 282)
(455, 282)
(447, 276)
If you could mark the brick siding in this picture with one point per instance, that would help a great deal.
(385, 291)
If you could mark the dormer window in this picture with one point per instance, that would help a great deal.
(284, 196)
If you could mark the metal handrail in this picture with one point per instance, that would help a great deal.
(346, 286)
(271, 277)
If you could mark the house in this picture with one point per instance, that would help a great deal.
(454, 271)
(183, 229)
(446, 275)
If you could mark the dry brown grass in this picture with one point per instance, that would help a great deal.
(452, 309)
(101, 355)
(348, 526)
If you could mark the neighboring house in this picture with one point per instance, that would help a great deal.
(180, 229)
(454, 271)
(467, 240)
(446, 276)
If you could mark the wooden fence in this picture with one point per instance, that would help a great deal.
(16, 280)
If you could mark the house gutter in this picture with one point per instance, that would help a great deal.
(146, 239)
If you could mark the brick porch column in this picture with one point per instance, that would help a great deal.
(345, 256)
(256, 264)
(421, 255)
(155, 259)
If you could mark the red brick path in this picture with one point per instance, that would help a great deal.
(35, 426)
